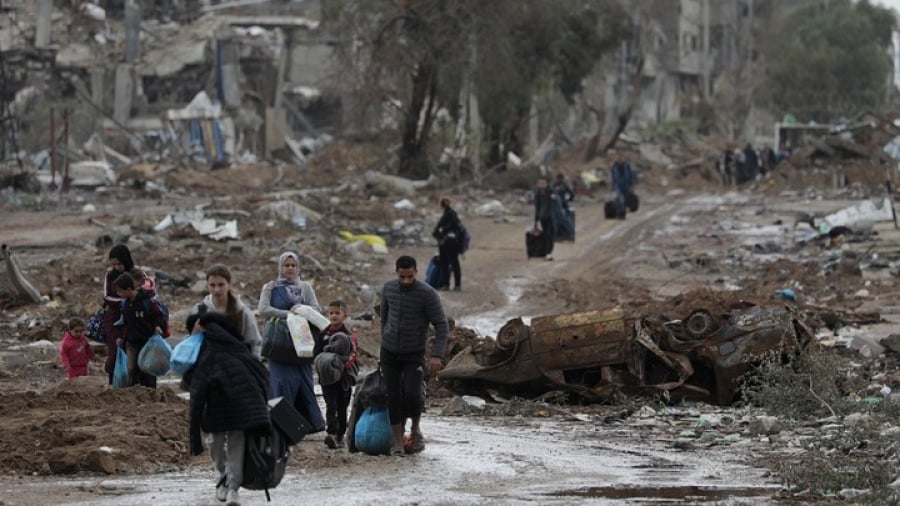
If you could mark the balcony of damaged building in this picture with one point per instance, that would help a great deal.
(111, 92)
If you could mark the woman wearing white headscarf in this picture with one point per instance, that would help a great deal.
(290, 376)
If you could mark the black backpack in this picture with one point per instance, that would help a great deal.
(265, 458)
(373, 390)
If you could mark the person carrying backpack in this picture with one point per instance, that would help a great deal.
(448, 233)
(229, 387)
(142, 317)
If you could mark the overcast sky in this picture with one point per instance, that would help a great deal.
(895, 4)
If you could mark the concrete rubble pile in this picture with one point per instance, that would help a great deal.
(202, 85)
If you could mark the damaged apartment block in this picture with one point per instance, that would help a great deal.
(88, 88)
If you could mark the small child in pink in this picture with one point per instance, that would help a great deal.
(75, 352)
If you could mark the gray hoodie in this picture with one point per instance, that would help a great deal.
(248, 328)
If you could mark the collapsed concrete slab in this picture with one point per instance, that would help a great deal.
(23, 289)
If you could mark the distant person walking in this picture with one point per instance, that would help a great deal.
(751, 164)
(725, 167)
(448, 233)
(623, 181)
(563, 190)
(408, 307)
(543, 215)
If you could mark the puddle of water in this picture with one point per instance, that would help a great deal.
(681, 493)
(489, 323)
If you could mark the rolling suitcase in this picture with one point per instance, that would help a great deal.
(609, 209)
(434, 275)
(632, 202)
(535, 244)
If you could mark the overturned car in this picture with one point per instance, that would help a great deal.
(598, 354)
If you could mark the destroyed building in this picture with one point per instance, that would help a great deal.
(89, 87)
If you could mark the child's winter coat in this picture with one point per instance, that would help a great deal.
(75, 353)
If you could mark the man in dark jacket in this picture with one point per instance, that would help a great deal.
(229, 391)
(543, 214)
(408, 307)
(449, 234)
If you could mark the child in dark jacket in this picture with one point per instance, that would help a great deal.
(142, 317)
(229, 391)
(339, 340)
(75, 352)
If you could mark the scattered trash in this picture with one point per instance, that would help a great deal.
(786, 294)
(404, 204)
(209, 227)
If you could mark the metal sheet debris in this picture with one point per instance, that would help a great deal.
(599, 354)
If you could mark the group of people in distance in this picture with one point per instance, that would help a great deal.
(240, 369)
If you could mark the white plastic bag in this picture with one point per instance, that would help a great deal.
(301, 335)
(312, 315)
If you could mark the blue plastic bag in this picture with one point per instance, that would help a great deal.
(185, 353)
(155, 356)
(120, 372)
(373, 432)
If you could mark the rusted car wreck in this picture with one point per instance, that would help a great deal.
(600, 353)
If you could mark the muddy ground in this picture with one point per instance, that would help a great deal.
(77, 443)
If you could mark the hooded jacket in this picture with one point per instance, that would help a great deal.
(75, 353)
(142, 316)
(229, 387)
(247, 326)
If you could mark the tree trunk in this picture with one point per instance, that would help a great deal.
(624, 117)
(413, 160)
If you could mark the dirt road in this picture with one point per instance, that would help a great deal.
(468, 461)
(552, 460)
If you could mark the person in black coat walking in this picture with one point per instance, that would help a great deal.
(229, 391)
(449, 235)
(543, 215)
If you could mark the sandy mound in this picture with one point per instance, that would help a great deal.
(83, 427)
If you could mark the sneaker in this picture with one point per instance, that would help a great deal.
(221, 490)
(396, 451)
(456, 288)
(232, 499)
(416, 443)
(330, 442)
(339, 441)
(548, 258)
